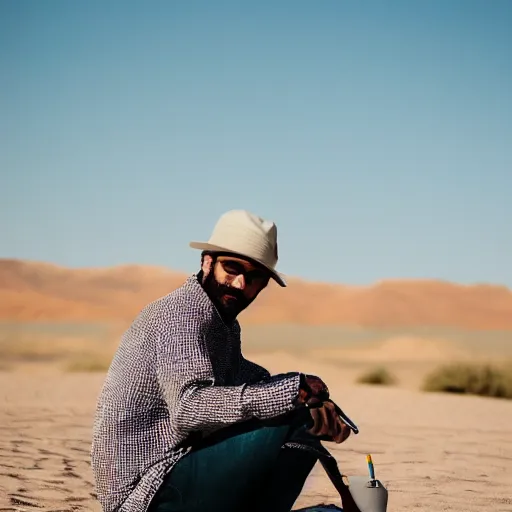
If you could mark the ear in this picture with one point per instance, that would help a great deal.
(206, 265)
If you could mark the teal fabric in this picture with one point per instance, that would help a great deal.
(242, 471)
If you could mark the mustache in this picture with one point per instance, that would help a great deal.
(224, 289)
(220, 289)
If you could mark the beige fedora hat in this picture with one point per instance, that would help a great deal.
(244, 234)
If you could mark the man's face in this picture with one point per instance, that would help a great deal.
(233, 283)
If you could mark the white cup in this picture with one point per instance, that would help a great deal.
(369, 495)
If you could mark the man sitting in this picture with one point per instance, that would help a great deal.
(184, 422)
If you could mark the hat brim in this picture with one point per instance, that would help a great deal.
(205, 246)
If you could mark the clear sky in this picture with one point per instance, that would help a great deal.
(377, 135)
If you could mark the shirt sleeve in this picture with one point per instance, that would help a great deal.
(187, 379)
(251, 372)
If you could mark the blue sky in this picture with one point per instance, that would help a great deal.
(377, 135)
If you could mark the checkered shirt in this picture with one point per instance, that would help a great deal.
(178, 371)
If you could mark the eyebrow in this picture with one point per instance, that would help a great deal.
(242, 263)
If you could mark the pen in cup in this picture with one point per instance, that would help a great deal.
(371, 469)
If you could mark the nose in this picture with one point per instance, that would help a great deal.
(239, 282)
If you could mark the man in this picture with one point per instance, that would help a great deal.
(184, 422)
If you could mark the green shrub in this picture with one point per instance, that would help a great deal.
(471, 379)
(378, 375)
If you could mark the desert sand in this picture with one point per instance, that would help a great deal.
(433, 452)
(60, 327)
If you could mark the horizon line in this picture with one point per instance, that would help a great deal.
(289, 278)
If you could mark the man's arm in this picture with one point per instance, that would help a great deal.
(186, 377)
(251, 372)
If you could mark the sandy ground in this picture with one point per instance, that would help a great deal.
(433, 452)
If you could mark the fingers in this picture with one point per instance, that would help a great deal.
(335, 424)
(317, 423)
(341, 430)
(343, 433)
(312, 387)
(320, 426)
(326, 422)
(317, 386)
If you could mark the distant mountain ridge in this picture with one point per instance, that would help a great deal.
(42, 291)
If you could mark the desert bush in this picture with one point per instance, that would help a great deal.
(28, 351)
(89, 364)
(473, 379)
(379, 375)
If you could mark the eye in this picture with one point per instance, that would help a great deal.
(232, 268)
(256, 277)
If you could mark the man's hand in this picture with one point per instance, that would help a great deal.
(328, 424)
(313, 390)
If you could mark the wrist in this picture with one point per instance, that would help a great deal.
(312, 390)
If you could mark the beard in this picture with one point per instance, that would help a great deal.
(229, 301)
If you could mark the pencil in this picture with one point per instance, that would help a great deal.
(371, 470)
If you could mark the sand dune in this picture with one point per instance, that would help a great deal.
(40, 291)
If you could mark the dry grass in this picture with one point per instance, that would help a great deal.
(84, 353)
(91, 363)
(473, 379)
(377, 376)
(357, 356)
(25, 349)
